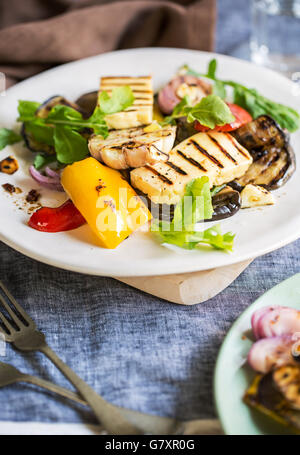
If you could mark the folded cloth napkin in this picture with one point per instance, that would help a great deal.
(35, 35)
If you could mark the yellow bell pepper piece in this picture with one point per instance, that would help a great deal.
(109, 204)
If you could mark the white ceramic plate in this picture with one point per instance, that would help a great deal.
(258, 231)
(233, 377)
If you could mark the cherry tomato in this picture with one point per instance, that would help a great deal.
(63, 218)
(241, 117)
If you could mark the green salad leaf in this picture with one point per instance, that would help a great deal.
(8, 137)
(27, 110)
(210, 111)
(70, 146)
(120, 99)
(250, 99)
(196, 205)
(64, 127)
(42, 160)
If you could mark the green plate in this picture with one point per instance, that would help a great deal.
(233, 376)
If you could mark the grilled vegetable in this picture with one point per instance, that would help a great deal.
(56, 219)
(45, 108)
(273, 157)
(107, 202)
(225, 203)
(287, 381)
(184, 130)
(256, 196)
(279, 321)
(255, 320)
(263, 396)
(87, 103)
(9, 165)
(193, 87)
(133, 147)
(269, 353)
(216, 155)
(137, 114)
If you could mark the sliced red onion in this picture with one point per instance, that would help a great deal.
(270, 353)
(52, 183)
(279, 321)
(256, 316)
(51, 173)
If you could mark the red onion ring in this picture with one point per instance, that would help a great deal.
(52, 183)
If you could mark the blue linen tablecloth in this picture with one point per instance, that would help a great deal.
(134, 349)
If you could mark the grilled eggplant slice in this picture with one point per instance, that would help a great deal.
(184, 130)
(87, 103)
(33, 145)
(273, 157)
(225, 203)
(50, 103)
(263, 396)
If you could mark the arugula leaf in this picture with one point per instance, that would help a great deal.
(257, 104)
(67, 116)
(42, 160)
(210, 111)
(8, 137)
(251, 100)
(178, 111)
(195, 206)
(63, 125)
(27, 110)
(70, 146)
(212, 68)
(120, 99)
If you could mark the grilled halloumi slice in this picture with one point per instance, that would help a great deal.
(141, 111)
(255, 196)
(133, 147)
(216, 155)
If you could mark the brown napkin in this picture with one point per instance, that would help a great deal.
(38, 34)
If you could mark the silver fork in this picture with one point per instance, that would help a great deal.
(11, 375)
(22, 333)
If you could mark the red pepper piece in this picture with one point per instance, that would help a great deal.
(63, 218)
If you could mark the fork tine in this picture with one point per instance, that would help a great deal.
(6, 324)
(12, 314)
(13, 302)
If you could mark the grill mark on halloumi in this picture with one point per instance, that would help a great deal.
(186, 157)
(205, 153)
(176, 168)
(160, 151)
(162, 177)
(234, 142)
(222, 149)
(191, 160)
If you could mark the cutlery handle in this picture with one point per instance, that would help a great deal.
(109, 417)
(52, 388)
